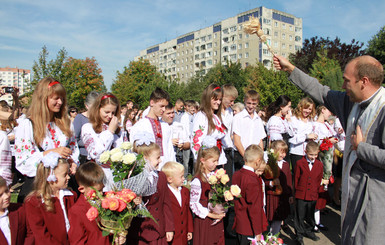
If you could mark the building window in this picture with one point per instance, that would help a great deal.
(275, 44)
(215, 53)
(240, 36)
(239, 46)
(283, 45)
(266, 21)
(246, 45)
(233, 57)
(225, 49)
(283, 36)
(291, 27)
(276, 34)
(240, 56)
(283, 26)
(297, 38)
(233, 28)
(209, 45)
(246, 55)
(233, 47)
(290, 37)
(275, 24)
(225, 31)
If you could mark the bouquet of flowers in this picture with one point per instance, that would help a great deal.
(129, 170)
(326, 157)
(269, 240)
(113, 211)
(272, 170)
(221, 194)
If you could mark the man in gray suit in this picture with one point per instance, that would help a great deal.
(361, 109)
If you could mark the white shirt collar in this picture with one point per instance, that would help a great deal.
(248, 168)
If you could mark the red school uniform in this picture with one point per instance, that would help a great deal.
(48, 227)
(306, 181)
(183, 221)
(83, 231)
(250, 219)
(145, 230)
(17, 225)
(277, 206)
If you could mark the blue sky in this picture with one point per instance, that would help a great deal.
(115, 31)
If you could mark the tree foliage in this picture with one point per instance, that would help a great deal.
(376, 46)
(342, 52)
(327, 71)
(270, 84)
(80, 77)
(43, 68)
(137, 81)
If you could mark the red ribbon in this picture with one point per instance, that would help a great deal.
(219, 145)
(107, 96)
(216, 88)
(52, 83)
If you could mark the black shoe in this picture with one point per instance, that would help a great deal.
(322, 227)
(313, 237)
(316, 230)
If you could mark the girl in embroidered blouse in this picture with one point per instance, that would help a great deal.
(208, 121)
(204, 230)
(303, 131)
(102, 133)
(278, 115)
(47, 128)
(47, 206)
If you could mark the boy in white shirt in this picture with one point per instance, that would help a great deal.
(248, 128)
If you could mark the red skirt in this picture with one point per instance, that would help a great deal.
(208, 234)
(323, 198)
(277, 207)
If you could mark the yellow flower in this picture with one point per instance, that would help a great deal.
(126, 145)
(224, 179)
(228, 196)
(220, 172)
(115, 150)
(104, 157)
(129, 158)
(213, 180)
(117, 157)
(235, 190)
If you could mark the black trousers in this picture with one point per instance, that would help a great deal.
(238, 161)
(304, 211)
(243, 240)
(293, 160)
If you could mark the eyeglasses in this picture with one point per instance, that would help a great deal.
(74, 111)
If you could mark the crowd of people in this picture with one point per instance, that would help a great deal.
(54, 152)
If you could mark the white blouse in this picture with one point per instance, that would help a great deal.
(195, 195)
(276, 126)
(27, 152)
(200, 130)
(300, 131)
(97, 143)
(5, 158)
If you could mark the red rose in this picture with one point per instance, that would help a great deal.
(92, 214)
(198, 133)
(122, 205)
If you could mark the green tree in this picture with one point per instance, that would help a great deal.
(327, 71)
(44, 68)
(137, 81)
(342, 52)
(79, 77)
(376, 46)
(270, 84)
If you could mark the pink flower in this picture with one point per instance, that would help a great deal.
(198, 133)
(197, 146)
(92, 214)
(195, 140)
(114, 204)
(91, 194)
(122, 205)
(106, 203)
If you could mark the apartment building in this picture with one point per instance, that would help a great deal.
(14, 77)
(200, 50)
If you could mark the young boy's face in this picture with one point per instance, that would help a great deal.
(228, 101)
(177, 179)
(261, 168)
(158, 107)
(5, 197)
(312, 155)
(251, 105)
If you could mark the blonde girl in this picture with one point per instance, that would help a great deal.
(48, 204)
(159, 204)
(102, 133)
(208, 121)
(302, 128)
(46, 129)
(204, 230)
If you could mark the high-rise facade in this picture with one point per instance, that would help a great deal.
(200, 50)
(14, 77)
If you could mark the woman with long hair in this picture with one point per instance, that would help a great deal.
(47, 128)
(102, 133)
(278, 116)
(208, 121)
(303, 131)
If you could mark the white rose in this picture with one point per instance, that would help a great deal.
(129, 158)
(126, 146)
(235, 190)
(220, 172)
(104, 157)
(228, 196)
(117, 157)
(115, 150)
(224, 179)
(213, 180)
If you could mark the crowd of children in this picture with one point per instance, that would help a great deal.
(54, 153)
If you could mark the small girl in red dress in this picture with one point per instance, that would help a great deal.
(47, 206)
(277, 201)
(206, 229)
